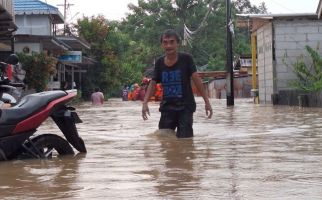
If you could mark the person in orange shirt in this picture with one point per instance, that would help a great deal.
(130, 95)
(136, 92)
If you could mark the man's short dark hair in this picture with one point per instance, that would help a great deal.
(170, 33)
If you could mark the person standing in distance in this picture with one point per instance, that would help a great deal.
(175, 70)
(97, 97)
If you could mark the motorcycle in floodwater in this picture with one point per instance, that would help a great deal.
(18, 124)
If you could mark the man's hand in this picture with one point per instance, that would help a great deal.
(208, 110)
(145, 111)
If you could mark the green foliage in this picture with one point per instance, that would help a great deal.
(120, 60)
(244, 6)
(150, 18)
(309, 78)
(216, 64)
(38, 68)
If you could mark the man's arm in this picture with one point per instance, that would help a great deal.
(149, 92)
(198, 83)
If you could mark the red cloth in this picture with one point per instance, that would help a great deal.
(9, 72)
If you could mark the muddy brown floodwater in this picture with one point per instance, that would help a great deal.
(247, 152)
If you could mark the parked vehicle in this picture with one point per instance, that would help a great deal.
(18, 124)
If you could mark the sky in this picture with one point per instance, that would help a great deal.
(289, 6)
(117, 9)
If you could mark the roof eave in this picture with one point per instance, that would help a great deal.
(282, 15)
(258, 20)
(319, 9)
(49, 42)
(79, 41)
(57, 16)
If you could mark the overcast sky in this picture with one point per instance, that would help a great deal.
(117, 9)
(289, 6)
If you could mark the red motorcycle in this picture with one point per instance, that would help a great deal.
(19, 123)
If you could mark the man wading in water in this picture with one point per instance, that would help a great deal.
(174, 71)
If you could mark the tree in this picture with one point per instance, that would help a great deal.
(244, 6)
(125, 49)
(120, 60)
(205, 18)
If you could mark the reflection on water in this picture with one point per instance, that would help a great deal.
(39, 179)
(177, 175)
(244, 152)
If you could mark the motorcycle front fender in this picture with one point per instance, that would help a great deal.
(66, 120)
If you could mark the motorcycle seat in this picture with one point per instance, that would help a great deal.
(28, 106)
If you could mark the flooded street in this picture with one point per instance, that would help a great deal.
(252, 152)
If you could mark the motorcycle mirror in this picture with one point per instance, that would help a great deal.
(12, 59)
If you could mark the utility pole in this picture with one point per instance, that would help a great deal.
(65, 11)
(229, 57)
(66, 6)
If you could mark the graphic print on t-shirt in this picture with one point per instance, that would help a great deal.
(172, 84)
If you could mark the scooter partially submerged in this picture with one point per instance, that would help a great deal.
(18, 124)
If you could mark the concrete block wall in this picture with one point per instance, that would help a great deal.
(290, 39)
(265, 62)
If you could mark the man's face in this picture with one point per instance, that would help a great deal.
(169, 45)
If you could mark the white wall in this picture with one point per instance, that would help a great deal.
(33, 25)
(34, 47)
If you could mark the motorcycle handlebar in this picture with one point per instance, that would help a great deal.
(17, 84)
(6, 83)
(6, 88)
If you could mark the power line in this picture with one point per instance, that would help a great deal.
(187, 34)
(282, 6)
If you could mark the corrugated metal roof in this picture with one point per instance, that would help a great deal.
(37, 7)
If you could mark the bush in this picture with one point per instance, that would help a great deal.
(309, 78)
(38, 68)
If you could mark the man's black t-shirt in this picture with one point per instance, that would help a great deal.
(176, 83)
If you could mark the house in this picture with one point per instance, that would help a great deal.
(216, 84)
(38, 27)
(244, 64)
(280, 41)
